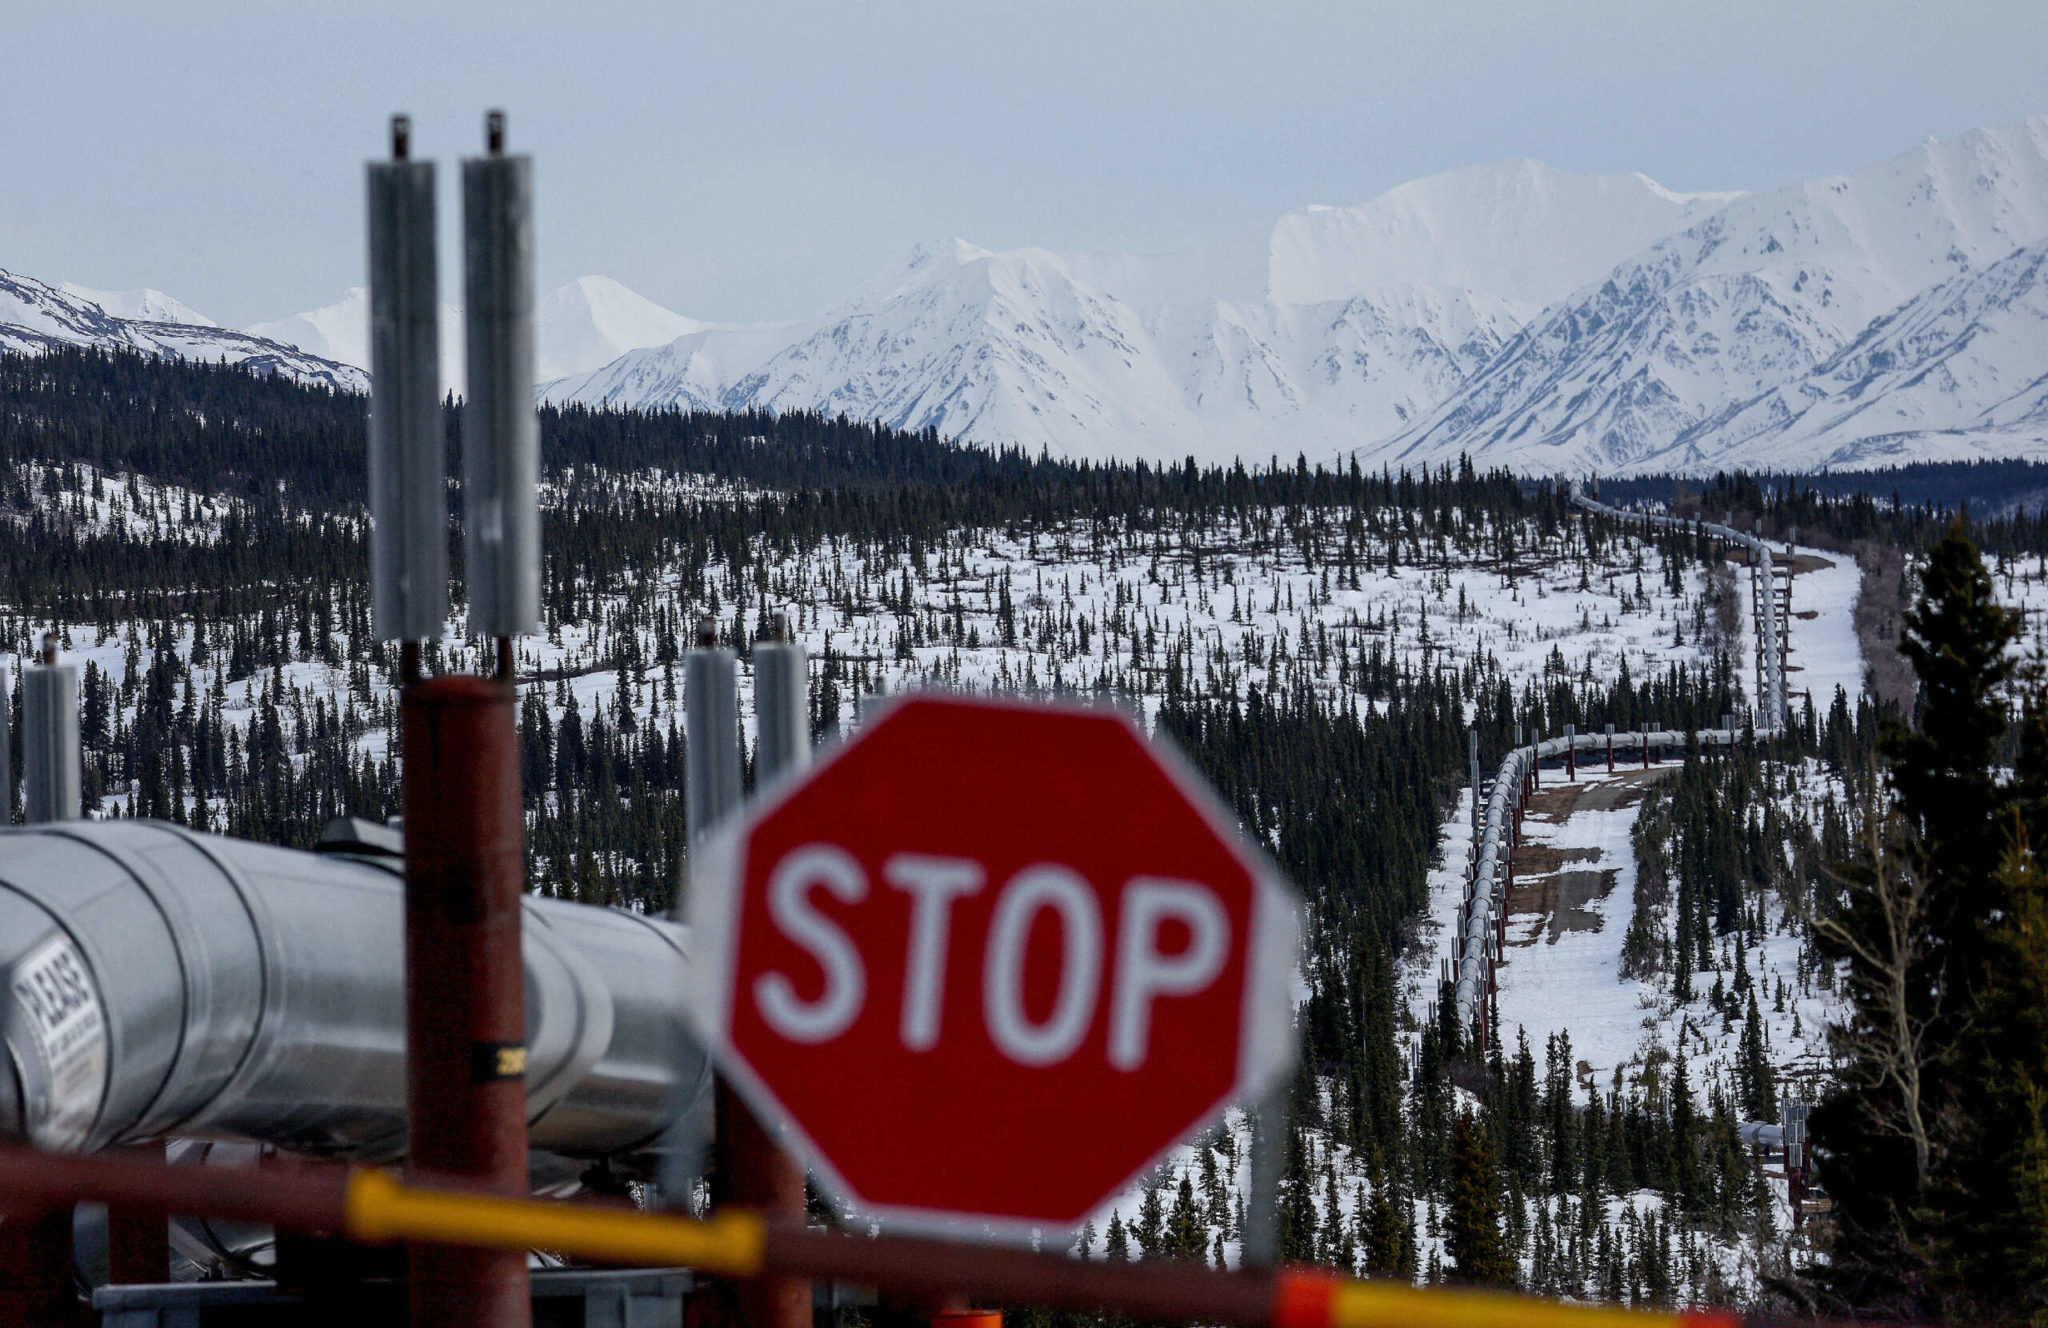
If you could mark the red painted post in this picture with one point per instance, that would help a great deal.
(138, 1249)
(138, 1244)
(37, 1287)
(753, 1171)
(465, 983)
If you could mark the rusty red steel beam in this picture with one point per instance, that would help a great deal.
(374, 1207)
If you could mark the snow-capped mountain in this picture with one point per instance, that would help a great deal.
(577, 328)
(1957, 373)
(592, 321)
(1757, 296)
(341, 332)
(1519, 231)
(36, 317)
(144, 306)
(1335, 326)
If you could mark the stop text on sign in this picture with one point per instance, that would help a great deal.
(1144, 969)
(989, 959)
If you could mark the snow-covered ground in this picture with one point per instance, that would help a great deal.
(143, 509)
(1824, 651)
(1568, 911)
(1562, 969)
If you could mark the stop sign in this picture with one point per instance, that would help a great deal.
(990, 959)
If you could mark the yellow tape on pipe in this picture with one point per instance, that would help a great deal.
(379, 1208)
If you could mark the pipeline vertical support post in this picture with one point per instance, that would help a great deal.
(1269, 1158)
(465, 981)
(6, 747)
(38, 1288)
(1610, 749)
(1473, 746)
(757, 1171)
(465, 990)
(1571, 754)
(500, 428)
(408, 455)
(749, 1166)
(712, 780)
(51, 790)
(711, 733)
(782, 705)
(138, 1244)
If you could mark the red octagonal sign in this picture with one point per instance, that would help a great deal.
(990, 959)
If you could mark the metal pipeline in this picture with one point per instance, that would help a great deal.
(1479, 916)
(166, 983)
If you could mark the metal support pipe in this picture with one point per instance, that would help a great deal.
(751, 1167)
(711, 733)
(1571, 755)
(408, 455)
(6, 747)
(782, 706)
(1610, 749)
(500, 429)
(465, 989)
(1472, 736)
(51, 790)
(711, 789)
(748, 1167)
(1269, 1158)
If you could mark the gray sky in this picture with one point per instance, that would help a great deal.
(757, 160)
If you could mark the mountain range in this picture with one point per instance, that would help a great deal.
(1528, 316)
(35, 316)
(1701, 350)
(1331, 328)
(578, 327)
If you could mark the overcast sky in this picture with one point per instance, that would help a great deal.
(757, 160)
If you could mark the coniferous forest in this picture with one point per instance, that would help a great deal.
(1319, 641)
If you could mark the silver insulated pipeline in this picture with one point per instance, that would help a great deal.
(166, 983)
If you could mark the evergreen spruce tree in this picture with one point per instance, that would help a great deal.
(1116, 1243)
(1996, 1245)
(1150, 1228)
(1297, 1204)
(1759, 1080)
(1472, 1235)
(1187, 1236)
(1918, 929)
